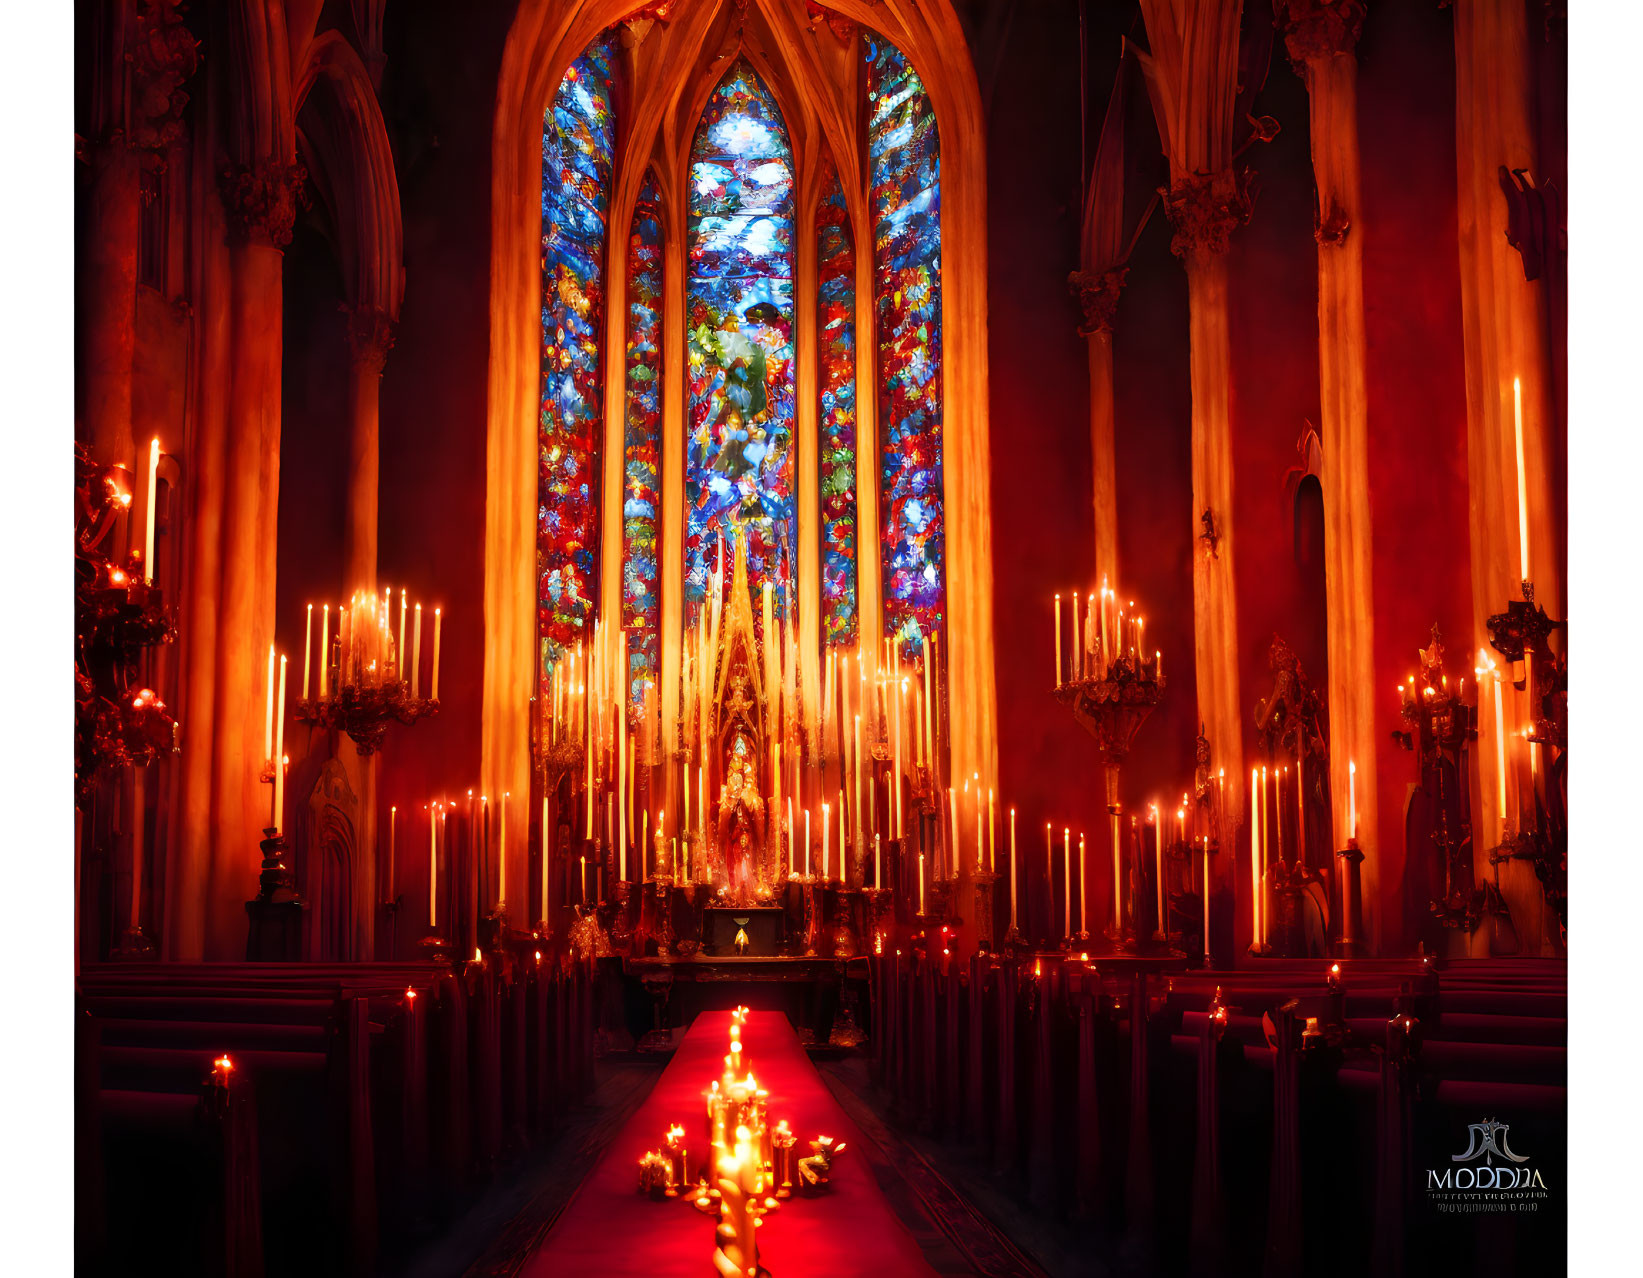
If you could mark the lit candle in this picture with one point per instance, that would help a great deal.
(1500, 739)
(992, 833)
(1067, 881)
(1158, 858)
(929, 736)
(826, 827)
(878, 874)
(584, 878)
(433, 871)
(921, 883)
(807, 843)
(279, 756)
(154, 487)
(1012, 869)
(1117, 876)
(1058, 679)
(325, 650)
(1255, 854)
(1522, 479)
(433, 687)
(399, 651)
(268, 721)
(952, 808)
(1206, 899)
(1078, 652)
(976, 777)
(416, 654)
(307, 649)
(1352, 798)
(1083, 888)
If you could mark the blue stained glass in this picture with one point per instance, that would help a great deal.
(739, 456)
(578, 147)
(905, 200)
(642, 465)
(836, 345)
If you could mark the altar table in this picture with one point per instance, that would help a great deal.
(609, 1228)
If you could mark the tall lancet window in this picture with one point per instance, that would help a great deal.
(904, 166)
(836, 343)
(739, 462)
(642, 444)
(578, 144)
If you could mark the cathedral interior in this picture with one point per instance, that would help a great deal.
(1013, 556)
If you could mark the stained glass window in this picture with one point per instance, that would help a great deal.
(739, 316)
(905, 200)
(836, 343)
(578, 144)
(642, 443)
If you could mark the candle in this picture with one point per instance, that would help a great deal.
(325, 650)
(399, 650)
(826, 827)
(433, 686)
(502, 854)
(1066, 881)
(878, 875)
(433, 871)
(1058, 679)
(1352, 799)
(1500, 736)
(584, 878)
(1158, 860)
(307, 649)
(1522, 479)
(1106, 648)
(921, 883)
(976, 777)
(1083, 887)
(1206, 900)
(1255, 854)
(901, 687)
(1117, 876)
(1012, 870)
(393, 820)
(929, 735)
(807, 843)
(416, 654)
(952, 809)
(268, 720)
(153, 492)
(279, 756)
(1078, 652)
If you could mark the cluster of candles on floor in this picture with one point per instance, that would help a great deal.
(1102, 635)
(749, 1168)
(853, 739)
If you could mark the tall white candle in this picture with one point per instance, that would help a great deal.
(416, 654)
(1352, 797)
(399, 649)
(154, 492)
(1058, 679)
(1522, 479)
(279, 756)
(826, 828)
(878, 872)
(433, 868)
(307, 649)
(1067, 880)
(433, 688)
(807, 843)
(268, 720)
(325, 650)
(921, 883)
(502, 854)
(393, 835)
(1083, 888)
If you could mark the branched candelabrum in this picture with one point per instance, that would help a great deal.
(1438, 729)
(1111, 708)
(364, 711)
(1523, 634)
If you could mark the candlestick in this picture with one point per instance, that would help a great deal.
(279, 757)
(1058, 679)
(433, 686)
(1067, 882)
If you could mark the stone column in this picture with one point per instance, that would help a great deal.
(147, 54)
(1098, 297)
(1204, 209)
(1321, 37)
(370, 335)
(261, 206)
(1504, 325)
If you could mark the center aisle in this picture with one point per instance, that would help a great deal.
(609, 1228)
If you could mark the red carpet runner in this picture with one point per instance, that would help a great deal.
(609, 1228)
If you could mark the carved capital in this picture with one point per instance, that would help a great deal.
(262, 201)
(162, 53)
(1097, 293)
(370, 336)
(1317, 29)
(1205, 209)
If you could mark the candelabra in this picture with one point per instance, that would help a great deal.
(365, 711)
(1438, 729)
(1523, 634)
(1111, 708)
